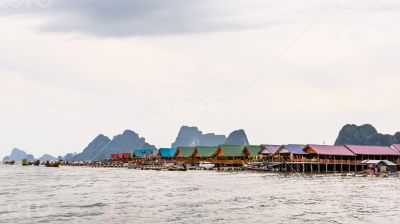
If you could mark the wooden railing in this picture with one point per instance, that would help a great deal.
(233, 161)
(239, 161)
(320, 161)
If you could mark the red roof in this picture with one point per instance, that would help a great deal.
(396, 146)
(331, 150)
(372, 150)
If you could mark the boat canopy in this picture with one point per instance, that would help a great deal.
(377, 162)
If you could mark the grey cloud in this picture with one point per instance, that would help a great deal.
(141, 17)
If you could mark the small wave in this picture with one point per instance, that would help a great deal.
(100, 204)
(5, 212)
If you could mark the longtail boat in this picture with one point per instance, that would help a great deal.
(25, 162)
(12, 162)
(52, 164)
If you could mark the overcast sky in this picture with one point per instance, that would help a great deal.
(285, 71)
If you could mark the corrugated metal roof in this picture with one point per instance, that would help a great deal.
(206, 151)
(167, 152)
(144, 152)
(331, 150)
(295, 149)
(233, 150)
(372, 150)
(270, 149)
(254, 149)
(396, 146)
(185, 151)
(376, 162)
(139, 152)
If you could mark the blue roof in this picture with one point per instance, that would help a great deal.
(296, 149)
(143, 152)
(167, 152)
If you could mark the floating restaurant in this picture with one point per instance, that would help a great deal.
(299, 158)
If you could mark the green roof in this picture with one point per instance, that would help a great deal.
(206, 151)
(254, 149)
(233, 150)
(186, 151)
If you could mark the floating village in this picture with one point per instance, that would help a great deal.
(346, 159)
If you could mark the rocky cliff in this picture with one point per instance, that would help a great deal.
(192, 136)
(102, 147)
(365, 135)
(18, 155)
(47, 157)
(237, 137)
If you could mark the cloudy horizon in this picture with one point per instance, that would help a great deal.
(285, 72)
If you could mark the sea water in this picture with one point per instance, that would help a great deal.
(98, 195)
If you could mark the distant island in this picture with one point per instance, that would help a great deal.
(367, 134)
(102, 147)
(18, 155)
(192, 136)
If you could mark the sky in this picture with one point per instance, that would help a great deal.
(285, 71)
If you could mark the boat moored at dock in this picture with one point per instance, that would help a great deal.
(12, 162)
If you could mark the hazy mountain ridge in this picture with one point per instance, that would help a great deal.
(192, 136)
(47, 157)
(237, 137)
(91, 151)
(18, 155)
(102, 147)
(367, 134)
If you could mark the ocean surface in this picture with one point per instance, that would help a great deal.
(90, 195)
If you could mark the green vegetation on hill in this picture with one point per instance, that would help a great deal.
(365, 135)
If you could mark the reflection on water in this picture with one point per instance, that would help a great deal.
(88, 195)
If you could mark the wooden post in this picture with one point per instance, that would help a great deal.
(341, 164)
(349, 165)
(319, 165)
(334, 164)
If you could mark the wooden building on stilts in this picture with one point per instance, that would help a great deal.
(253, 151)
(185, 154)
(327, 158)
(364, 152)
(232, 155)
(268, 151)
(291, 157)
(204, 152)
